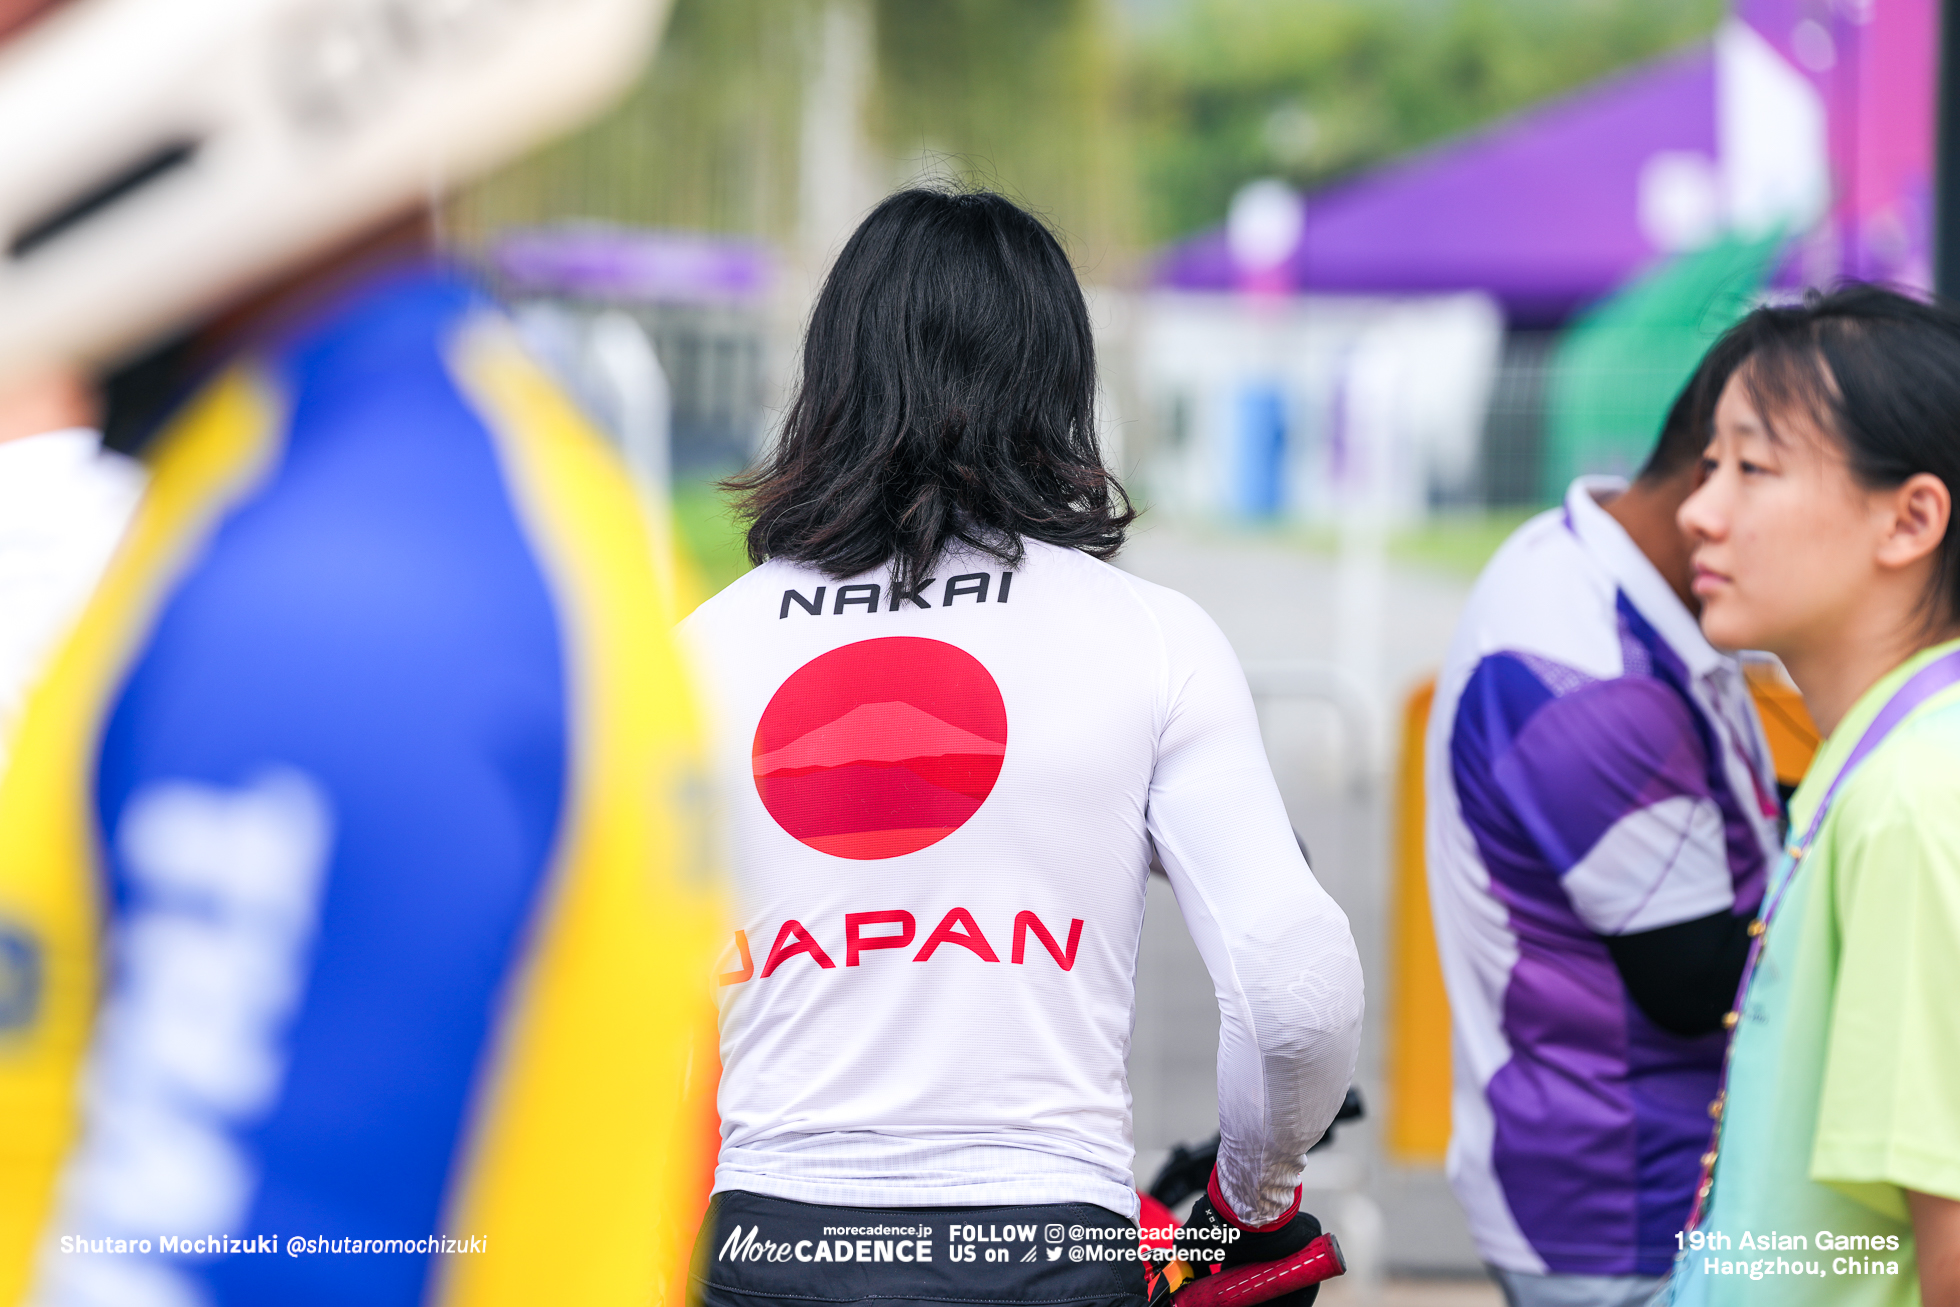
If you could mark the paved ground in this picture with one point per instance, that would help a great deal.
(1419, 1293)
(1289, 614)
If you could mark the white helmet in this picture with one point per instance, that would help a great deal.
(160, 157)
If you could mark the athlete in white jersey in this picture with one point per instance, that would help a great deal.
(949, 738)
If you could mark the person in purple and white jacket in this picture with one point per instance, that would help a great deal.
(1603, 811)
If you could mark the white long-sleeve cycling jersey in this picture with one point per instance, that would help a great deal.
(942, 805)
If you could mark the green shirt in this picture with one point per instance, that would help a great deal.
(1844, 1089)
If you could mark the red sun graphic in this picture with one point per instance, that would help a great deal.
(881, 747)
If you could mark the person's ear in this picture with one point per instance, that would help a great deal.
(1921, 510)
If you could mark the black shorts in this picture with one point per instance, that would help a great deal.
(755, 1250)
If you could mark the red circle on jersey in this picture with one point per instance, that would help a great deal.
(880, 748)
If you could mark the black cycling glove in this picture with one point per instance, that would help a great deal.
(1213, 1236)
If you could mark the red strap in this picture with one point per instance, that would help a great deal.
(1224, 1209)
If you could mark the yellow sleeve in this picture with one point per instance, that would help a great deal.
(1889, 1113)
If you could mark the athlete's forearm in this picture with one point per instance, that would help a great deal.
(1288, 981)
(1282, 959)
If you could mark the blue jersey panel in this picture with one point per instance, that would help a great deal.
(372, 632)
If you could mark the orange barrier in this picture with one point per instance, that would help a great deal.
(1786, 722)
(1418, 1049)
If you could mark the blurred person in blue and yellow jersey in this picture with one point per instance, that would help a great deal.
(355, 940)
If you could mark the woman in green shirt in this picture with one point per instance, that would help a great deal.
(1824, 534)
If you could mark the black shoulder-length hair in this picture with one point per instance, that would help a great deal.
(948, 394)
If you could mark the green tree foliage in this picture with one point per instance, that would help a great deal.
(1124, 136)
(1620, 364)
(706, 140)
(1222, 91)
(1016, 94)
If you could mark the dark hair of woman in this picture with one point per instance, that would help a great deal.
(948, 395)
(1879, 373)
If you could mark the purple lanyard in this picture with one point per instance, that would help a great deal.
(1928, 681)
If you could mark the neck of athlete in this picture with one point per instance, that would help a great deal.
(1646, 511)
(53, 399)
(1881, 627)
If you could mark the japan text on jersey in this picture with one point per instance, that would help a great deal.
(880, 748)
(942, 803)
